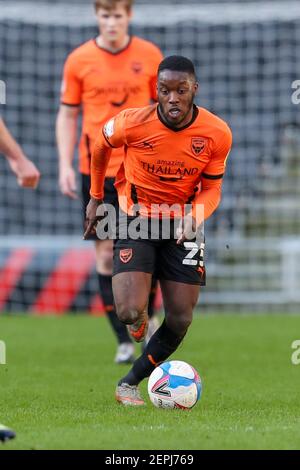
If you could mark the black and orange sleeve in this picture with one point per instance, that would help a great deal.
(111, 136)
(215, 168)
(209, 197)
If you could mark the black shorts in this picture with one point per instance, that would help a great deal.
(161, 257)
(110, 196)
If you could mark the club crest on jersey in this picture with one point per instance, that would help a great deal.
(126, 255)
(136, 67)
(109, 128)
(198, 145)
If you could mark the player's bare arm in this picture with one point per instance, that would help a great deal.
(27, 174)
(66, 136)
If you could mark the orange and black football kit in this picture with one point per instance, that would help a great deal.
(163, 166)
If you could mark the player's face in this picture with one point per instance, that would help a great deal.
(176, 94)
(114, 24)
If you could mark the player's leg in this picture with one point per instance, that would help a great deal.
(181, 276)
(104, 260)
(131, 294)
(180, 283)
(179, 301)
(134, 263)
(104, 257)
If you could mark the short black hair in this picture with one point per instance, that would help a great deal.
(177, 63)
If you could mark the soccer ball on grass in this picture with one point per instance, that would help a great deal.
(174, 384)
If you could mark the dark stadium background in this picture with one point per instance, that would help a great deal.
(246, 63)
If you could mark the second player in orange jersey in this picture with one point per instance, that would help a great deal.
(105, 82)
(103, 76)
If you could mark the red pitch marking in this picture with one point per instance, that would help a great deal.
(65, 282)
(12, 271)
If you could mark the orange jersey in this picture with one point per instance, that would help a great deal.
(104, 84)
(164, 165)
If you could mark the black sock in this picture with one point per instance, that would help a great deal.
(162, 344)
(120, 330)
(151, 309)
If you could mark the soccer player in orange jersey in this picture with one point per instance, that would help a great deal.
(26, 172)
(103, 76)
(175, 160)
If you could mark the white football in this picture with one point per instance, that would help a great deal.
(174, 384)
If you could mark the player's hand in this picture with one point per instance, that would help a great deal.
(27, 174)
(67, 182)
(92, 218)
(187, 229)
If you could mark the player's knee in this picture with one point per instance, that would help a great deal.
(128, 314)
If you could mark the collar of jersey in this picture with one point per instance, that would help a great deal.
(176, 129)
(110, 52)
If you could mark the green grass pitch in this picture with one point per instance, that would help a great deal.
(57, 389)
